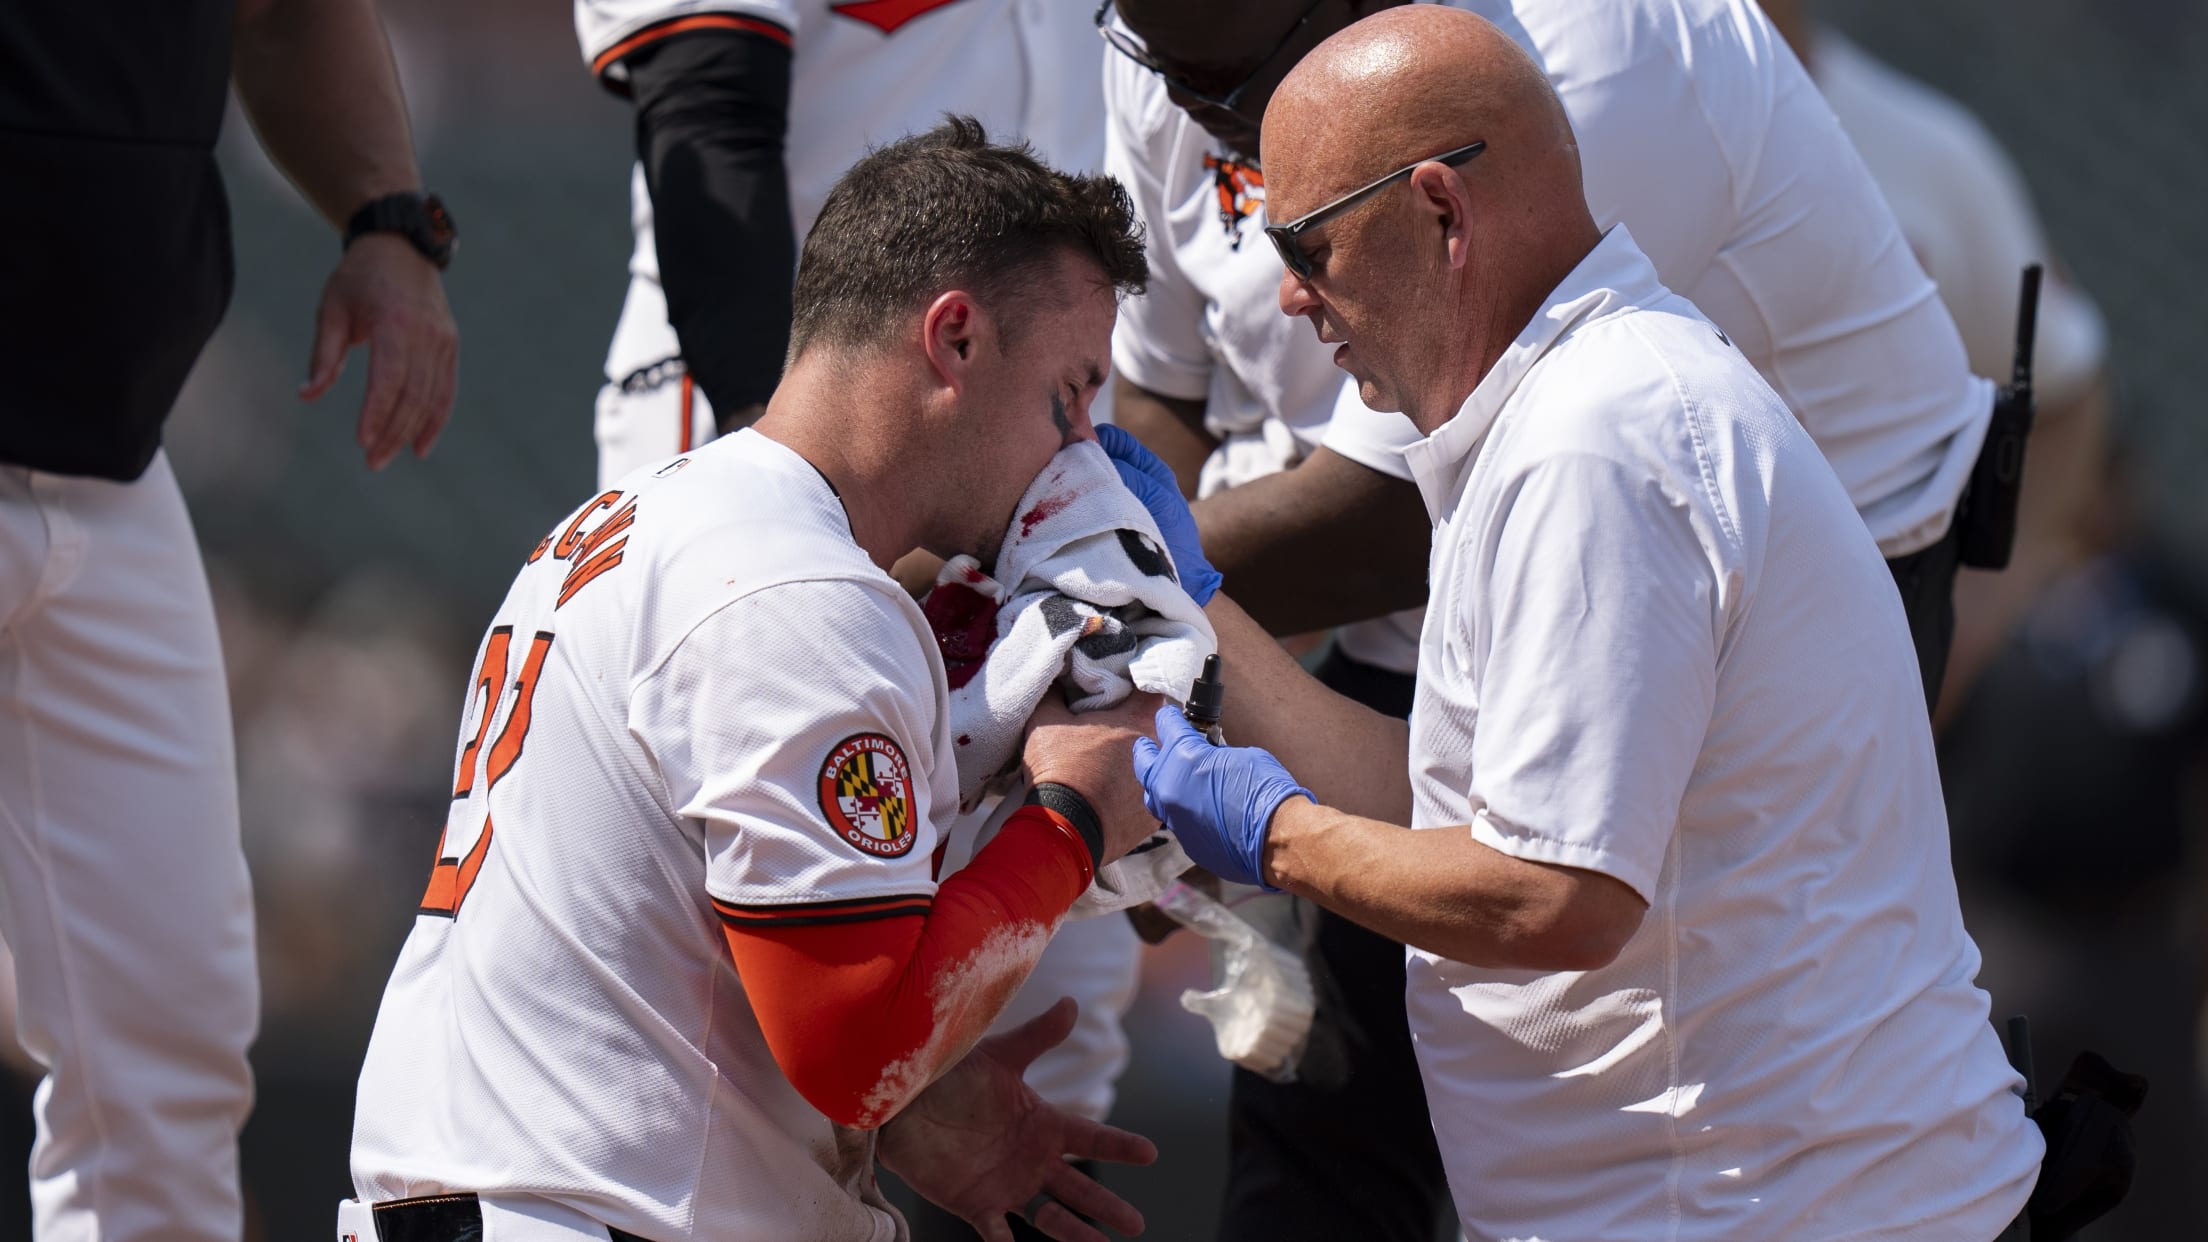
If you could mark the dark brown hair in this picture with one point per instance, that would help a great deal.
(948, 209)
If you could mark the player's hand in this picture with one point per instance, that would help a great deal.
(385, 295)
(1088, 753)
(1152, 482)
(1218, 801)
(980, 1144)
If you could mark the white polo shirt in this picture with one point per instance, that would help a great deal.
(1967, 215)
(1698, 129)
(1660, 646)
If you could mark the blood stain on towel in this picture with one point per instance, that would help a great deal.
(965, 623)
(1044, 510)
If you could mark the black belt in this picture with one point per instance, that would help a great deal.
(441, 1218)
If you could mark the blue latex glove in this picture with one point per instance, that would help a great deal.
(1152, 483)
(1218, 801)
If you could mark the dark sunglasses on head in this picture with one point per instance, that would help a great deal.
(1132, 48)
(1284, 235)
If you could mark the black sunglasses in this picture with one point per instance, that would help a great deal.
(1284, 235)
(1132, 48)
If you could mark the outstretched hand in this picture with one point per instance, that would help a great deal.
(980, 1143)
(386, 296)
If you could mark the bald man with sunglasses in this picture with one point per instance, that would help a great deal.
(1686, 959)
(1699, 131)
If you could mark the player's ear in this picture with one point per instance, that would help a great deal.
(950, 332)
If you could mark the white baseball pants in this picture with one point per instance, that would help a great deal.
(637, 425)
(123, 891)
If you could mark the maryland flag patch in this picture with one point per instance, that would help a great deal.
(866, 793)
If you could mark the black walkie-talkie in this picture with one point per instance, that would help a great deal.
(1988, 517)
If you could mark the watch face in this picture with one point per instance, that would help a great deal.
(442, 231)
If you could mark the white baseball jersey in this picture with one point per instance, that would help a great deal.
(1698, 128)
(864, 73)
(1967, 215)
(699, 696)
(1660, 647)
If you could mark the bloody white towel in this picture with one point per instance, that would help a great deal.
(1085, 602)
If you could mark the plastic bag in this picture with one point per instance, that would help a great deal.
(1261, 1005)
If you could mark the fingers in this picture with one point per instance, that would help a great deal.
(1078, 1195)
(1146, 757)
(1173, 726)
(1039, 1034)
(1051, 711)
(1093, 1140)
(332, 337)
(376, 431)
(444, 382)
(993, 1229)
(385, 295)
(1122, 446)
(1055, 1221)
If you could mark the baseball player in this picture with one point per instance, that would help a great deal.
(123, 893)
(747, 112)
(1733, 178)
(684, 967)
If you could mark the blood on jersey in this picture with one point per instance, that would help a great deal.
(1241, 188)
(866, 793)
(591, 553)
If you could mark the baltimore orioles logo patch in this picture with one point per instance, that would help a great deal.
(1241, 189)
(866, 793)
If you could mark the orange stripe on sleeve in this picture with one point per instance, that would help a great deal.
(687, 391)
(703, 21)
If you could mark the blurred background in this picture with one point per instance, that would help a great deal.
(350, 604)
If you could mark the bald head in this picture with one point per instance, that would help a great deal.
(1426, 285)
(1406, 83)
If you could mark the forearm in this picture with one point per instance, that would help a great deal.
(712, 112)
(1442, 891)
(1324, 543)
(1348, 754)
(1171, 427)
(862, 1014)
(316, 79)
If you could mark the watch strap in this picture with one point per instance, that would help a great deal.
(420, 218)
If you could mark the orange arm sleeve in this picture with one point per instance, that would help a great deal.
(864, 1003)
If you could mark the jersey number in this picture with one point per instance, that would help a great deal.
(454, 874)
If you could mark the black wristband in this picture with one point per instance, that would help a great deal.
(1067, 802)
(419, 218)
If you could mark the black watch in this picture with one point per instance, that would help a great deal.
(419, 218)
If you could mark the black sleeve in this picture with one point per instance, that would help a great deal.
(712, 109)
